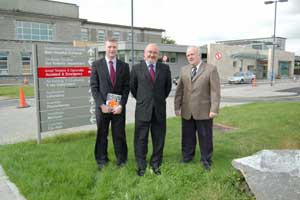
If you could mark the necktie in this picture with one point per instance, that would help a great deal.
(112, 73)
(194, 71)
(152, 73)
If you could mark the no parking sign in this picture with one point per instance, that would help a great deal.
(218, 55)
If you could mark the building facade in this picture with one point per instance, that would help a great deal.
(252, 55)
(24, 23)
(48, 22)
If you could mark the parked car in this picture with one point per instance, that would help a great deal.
(175, 80)
(242, 77)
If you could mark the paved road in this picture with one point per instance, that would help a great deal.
(20, 124)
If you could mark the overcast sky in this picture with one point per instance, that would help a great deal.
(198, 22)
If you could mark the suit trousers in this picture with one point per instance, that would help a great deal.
(204, 128)
(118, 136)
(158, 134)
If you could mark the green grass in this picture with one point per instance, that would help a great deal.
(64, 168)
(14, 91)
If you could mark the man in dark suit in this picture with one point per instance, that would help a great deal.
(150, 84)
(197, 101)
(110, 75)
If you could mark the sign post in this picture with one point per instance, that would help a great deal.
(63, 98)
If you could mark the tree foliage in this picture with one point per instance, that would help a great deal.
(167, 40)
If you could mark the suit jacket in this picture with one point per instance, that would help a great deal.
(101, 84)
(199, 96)
(147, 94)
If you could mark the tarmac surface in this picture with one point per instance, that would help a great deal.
(20, 124)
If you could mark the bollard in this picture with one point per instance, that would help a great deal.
(254, 82)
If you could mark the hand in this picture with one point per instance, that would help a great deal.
(117, 110)
(178, 112)
(105, 109)
(212, 115)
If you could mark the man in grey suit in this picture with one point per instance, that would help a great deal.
(197, 101)
(110, 75)
(150, 85)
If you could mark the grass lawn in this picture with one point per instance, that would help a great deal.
(64, 168)
(14, 91)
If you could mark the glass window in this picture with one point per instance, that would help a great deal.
(84, 34)
(34, 31)
(26, 68)
(3, 63)
(121, 55)
(100, 36)
(116, 35)
(129, 37)
(172, 56)
(234, 64)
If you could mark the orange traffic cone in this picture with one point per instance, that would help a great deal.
(22, 101)
(254, 82)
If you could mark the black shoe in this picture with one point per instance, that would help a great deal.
(185, 161)
(140, 172)
(100, 166)
(206, 167)
(156, 171)
(121, 163)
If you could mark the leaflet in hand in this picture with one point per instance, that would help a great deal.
(113, 100)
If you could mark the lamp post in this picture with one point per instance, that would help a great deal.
(274, 37)
(132, 36)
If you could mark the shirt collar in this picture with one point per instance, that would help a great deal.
(114, 60)
(148, 63)
(198, 66)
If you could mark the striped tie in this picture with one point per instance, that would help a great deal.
(194, 71)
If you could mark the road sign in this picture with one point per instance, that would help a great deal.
(218, 55)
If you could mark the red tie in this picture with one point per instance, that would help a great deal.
(112, 73)
(152, 73)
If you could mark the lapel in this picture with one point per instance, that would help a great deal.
(199, 72)
(105, 70)
(157, 71)
(118, 70)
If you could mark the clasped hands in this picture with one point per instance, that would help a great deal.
(107, 109)
(211, 114)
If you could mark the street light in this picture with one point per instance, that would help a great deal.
(273, 49)
(132, 35)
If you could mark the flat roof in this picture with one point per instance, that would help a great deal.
(85, 21)
(249, 39)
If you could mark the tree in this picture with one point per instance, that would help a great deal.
(167, 40)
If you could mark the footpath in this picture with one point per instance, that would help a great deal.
(20, 124)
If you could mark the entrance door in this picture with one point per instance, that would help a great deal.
(284, 68)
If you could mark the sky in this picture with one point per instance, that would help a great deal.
(199, 22)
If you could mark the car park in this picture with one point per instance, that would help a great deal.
(242, 77)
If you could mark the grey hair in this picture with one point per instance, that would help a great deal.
(195, 47)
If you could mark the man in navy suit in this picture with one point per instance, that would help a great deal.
(110, 75)
(150, 85)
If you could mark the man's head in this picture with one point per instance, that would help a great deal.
(111, 48)
(151, 53)
(193, 55)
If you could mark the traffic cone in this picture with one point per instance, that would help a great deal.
(254, 82)
(22, 101)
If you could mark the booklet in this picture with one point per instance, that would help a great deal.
(113, 100)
